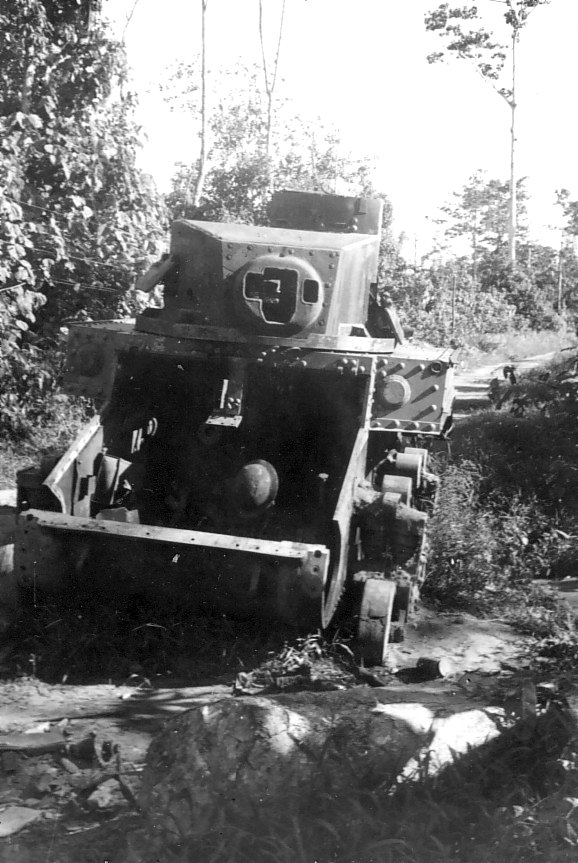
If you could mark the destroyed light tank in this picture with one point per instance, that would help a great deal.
(251, 452)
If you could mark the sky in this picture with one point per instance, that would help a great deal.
(362, 65)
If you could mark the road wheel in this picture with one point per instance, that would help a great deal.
(375, 609)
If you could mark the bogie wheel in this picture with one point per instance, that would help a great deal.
(419, 451)
(377, 597)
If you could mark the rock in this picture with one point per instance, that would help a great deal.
(69, 765)
(14, 818)
(220, 760)
(108, 795)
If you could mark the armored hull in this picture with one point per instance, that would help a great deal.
(253, 446)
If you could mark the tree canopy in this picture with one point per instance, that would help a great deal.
(76, 215)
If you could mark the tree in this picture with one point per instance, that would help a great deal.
(480, 213)
(567, 260)
(465, 37)
(76, 216)
(305, 155)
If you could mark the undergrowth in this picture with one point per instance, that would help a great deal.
(79, 638)
(507, 518)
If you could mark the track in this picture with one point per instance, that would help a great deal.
(473, 385)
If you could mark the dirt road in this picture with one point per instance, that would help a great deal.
(473, 385)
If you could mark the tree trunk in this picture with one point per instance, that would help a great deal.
(200, 182)
(269, 89)
(513, 197)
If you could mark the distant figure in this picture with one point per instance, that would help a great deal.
(510, 374)
(495, 392)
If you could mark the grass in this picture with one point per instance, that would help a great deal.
(79, 638)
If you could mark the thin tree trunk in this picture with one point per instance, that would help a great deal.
(475, 251)
(559, 291)
(513, 190)
(202, 172)
(269, 87)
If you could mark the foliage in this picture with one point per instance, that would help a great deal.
(76, 216)
(303, 154)
(569, 210)
(479, 212)
(525, 294)
(464, 35)
(440, 304)
(507, 509)
(486, 547)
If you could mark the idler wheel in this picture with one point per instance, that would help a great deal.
(255, 487)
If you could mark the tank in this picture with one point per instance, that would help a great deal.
(256, 450)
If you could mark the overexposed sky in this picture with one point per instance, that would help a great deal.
(361, 65)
